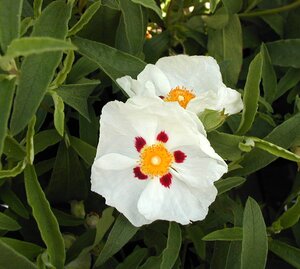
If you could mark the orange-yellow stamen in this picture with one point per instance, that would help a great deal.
(155, 160)
(181, 95)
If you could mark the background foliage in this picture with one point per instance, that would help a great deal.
(59, 62)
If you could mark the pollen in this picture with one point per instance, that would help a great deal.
(181, 95)
(155, 160)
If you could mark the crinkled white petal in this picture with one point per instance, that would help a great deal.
(115, 161)
(177, 203)
(197, 73)
(201, 167)
(120, 189)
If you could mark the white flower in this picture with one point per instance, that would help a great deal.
(154, 162)
(195, 82)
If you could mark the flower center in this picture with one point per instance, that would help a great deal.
(155, 160)
(181, 95)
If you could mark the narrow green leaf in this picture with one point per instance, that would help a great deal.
(286, 252)
(13, 149)
(13, 259)
(68, 180)
(224, 185)
(226, 234)
(212, 119)
(269, 79)
(18, 169)
(171, 252)
(133, 260)
(14, 203)
(45, 139)
(65, 219)
(288, 81)
(6, 96)
(37, 8)
(289, 218)
(120, 234)
(85, 18)
(35, 45)
(251, 95)
(195, 233)
(255, 242)
(113, 62)
(59, 114)
(7, 223)
(151, 4)
(226, 145)
(83, 149)
(233, 6)
(284, 135)
(10, 16)
(76, 95)
(45, 218)
(29, 250)
(53, 23)
(131, 29)
(285, 52)
(217, 21)
(276, 22)
(29, 141)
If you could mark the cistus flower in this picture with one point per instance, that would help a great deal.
(154, 162)
(195, 82)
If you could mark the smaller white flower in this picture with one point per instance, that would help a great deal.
(195, 82)
(154, 162)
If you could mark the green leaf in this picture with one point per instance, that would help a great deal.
(85, 18)
(195, 233)
(45, 139)
(113, 62)
(224, 185)
(37, 8)
(29, 141)
(14, 203)
(284, 135)
(269, 79)
(131, 31)
(226, 145)
(29, 250)
(68, 180)
(83, 149)
(251, 95)
(171, 252)
(6, 96)
(46, 221)
(13, 172)
(289, 218)
(35, 45)
(65, 219)
(133, 260)
(76, 95)
(276, 22)
(13, 149)
(13, 259)
(59, 114)
(7, 223)
(120, 234)
(212, 119)
(10, 16)
(285, 52)
(288, 81)
(219, 20)
(226, 234)
(233, 6)
(151, 4)
(255, 242)
(286, 252)
(53, 22)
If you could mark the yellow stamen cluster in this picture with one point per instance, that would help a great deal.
(181, 95)
(155, 160)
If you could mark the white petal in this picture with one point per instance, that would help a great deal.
(120, 190)
(154, 80)
(201, 167)
(230, 100)
(177, 203)
(198, 73)
(128, 85)
(114, 161)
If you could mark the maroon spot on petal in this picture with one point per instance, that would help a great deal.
(162, 137)
(179, 156)
(139, 143)
(139, 174)
(161, 97)
(166, 180)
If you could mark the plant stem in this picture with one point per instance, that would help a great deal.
(270, 11)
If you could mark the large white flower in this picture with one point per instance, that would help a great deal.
(154, 162)
(195, 82)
